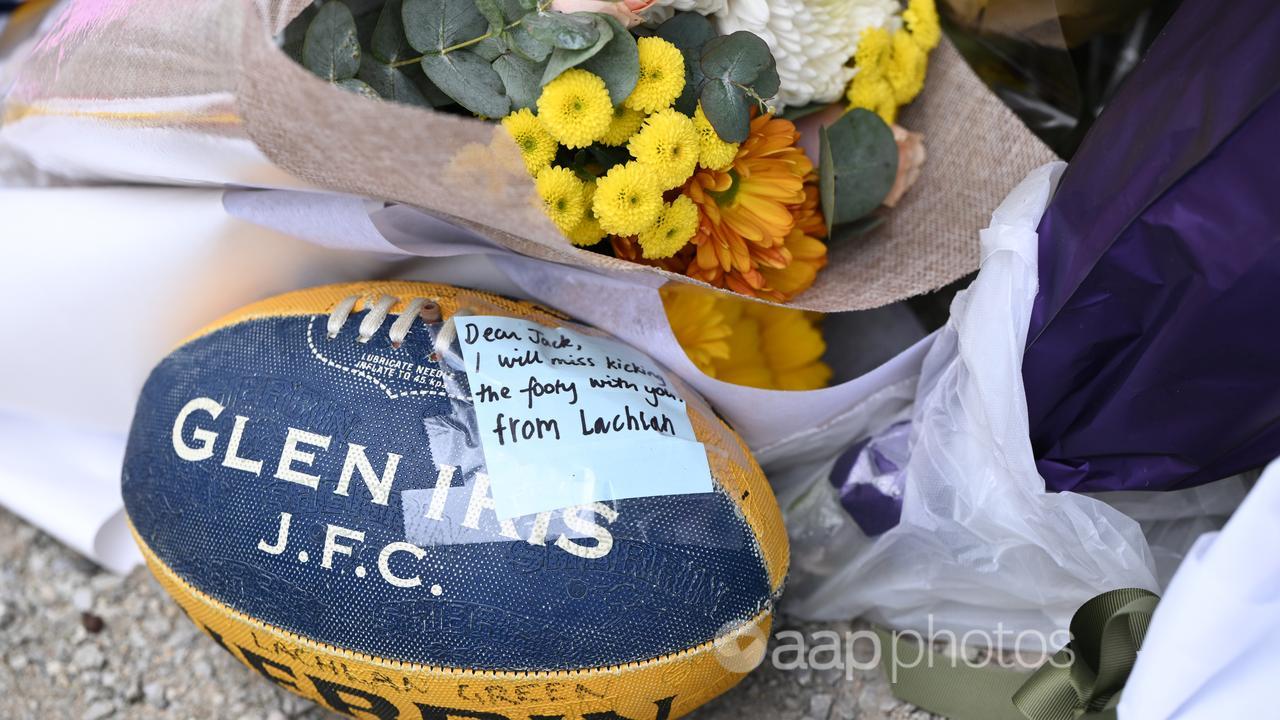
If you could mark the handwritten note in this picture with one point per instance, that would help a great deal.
(568, 419)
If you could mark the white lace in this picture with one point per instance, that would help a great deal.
(372, 322)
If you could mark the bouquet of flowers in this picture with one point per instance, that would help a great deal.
(656, 136)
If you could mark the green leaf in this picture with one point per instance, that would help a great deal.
(492, 11)
(574, 31)
(295, 34)
(468, 79)
(859, 164)
(739, 57)
(618, 64)
(389, 44)
(521, 78)
(391, 83)
(853, 230)
(767, 82)
(728, 109)
(331, 48)
(523, 42)
(359, 87)
(563, 59)
(490, 48)
(689, 32)
(795, 112)
(433, 25)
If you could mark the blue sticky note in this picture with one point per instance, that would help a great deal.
(567, 418)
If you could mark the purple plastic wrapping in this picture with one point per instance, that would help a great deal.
(1153, 357)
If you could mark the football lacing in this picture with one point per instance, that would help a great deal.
(425, 308)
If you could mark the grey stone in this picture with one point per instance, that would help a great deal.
(88, 657)
(820, 705)
(99, 710)
(155, 695)
(82, 599)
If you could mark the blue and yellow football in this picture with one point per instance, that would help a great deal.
(306, 478)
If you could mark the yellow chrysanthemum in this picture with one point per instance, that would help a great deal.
(588, 232)
(906, 68)
(661, 76)
(627, 199)
(668, 146)
(575, 108)
(562, 197)
(625, 123)
(872, 53)
(921, 20)
(698, 324)
(747, 343)
(713, 153)
(537, 147)
(873, 92)
(676, 225)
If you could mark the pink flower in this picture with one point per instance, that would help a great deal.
(626, 11)
(910, 158)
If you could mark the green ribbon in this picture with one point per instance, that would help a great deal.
(1080, 682)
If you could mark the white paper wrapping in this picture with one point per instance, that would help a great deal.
(1213, 648)
(96, 285)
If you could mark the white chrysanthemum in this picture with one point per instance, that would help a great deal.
(812, 40)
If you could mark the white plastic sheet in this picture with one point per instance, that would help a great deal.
(980, 544)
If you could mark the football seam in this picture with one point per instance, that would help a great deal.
(315, 352)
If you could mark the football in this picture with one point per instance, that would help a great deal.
(406, 500)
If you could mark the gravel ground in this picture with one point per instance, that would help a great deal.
(80, 643)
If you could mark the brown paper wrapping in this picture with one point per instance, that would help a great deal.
(464, 170)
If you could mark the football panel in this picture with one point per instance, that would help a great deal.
(659, 689)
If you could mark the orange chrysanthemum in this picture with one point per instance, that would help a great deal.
(750, 212)
(804, 244)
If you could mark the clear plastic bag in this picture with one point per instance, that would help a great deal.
(979, 543)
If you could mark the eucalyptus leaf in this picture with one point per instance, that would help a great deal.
(689, 32)
(391, 83)
(574, 31)
(490, 48)
(492, 11)
(468, 79)
(795, 112)
(525, 43)
(389, 44)
(433, 25)
(618, 64)
(359, 87)
(739, 57)
(853, 230)
(331, 48)
(295, 34)
(767, 83)
(562, 59)
(728, 109)
(521, 78)
(513, 10)
(858, 167)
